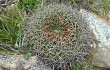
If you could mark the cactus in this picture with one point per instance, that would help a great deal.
(61, 35)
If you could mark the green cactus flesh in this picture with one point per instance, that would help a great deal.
(61, 35)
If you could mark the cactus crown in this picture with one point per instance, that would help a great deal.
(61, 35)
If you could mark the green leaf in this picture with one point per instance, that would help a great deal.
(27, 55)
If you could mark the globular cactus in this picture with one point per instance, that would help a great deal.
(61, 35)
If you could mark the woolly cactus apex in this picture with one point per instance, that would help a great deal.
(61, 36)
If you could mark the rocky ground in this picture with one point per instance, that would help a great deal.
(17, 62)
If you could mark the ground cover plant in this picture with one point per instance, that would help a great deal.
(30, 5)
(11, 24)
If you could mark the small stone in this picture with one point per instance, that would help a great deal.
(11, 66)
(99, 68)
(31, 61)
(102, 58)
(27, 66)
(33, 58)
(18, 58)
(1, 61)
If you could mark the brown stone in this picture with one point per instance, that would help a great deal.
(11, 66)
(99, 68)
(102, 58)
(18, 58)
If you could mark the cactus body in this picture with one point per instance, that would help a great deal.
(61, 36)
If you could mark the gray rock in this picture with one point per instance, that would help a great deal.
(17, 62)
(102, 33)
